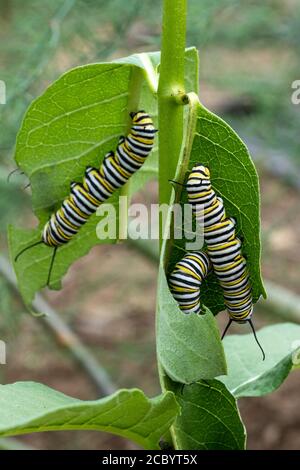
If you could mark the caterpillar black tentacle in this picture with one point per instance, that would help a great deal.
(226, 328)
(177, 182)
(98, 185)
(13, 172)
(20, 173)
(27, 248)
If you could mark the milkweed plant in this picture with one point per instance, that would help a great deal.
(71, 127)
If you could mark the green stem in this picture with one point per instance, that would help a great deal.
(182, 166)
(170, 106)
(170, 89)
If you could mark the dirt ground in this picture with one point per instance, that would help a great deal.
(121, 334)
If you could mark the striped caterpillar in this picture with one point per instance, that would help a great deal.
(223, 251)
(98, 185)
(186, 279)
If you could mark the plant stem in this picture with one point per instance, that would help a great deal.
(170, 105)
(171, 85)
(182, 166)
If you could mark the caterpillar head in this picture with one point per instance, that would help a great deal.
(142, 120)
(200, 172)
(199, 176)
(245, 317)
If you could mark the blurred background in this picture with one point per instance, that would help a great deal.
(249, 57)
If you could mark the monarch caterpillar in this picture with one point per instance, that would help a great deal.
(223, 248)
(186, 279)
(98, 185)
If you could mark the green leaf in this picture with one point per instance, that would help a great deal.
(73, 124)
(27, 407)
(78, 119)
(248, 375)
(234, 178)
(188, 346)
(209, 418)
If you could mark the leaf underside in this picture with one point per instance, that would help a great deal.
(27, 407)
(248, 375)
